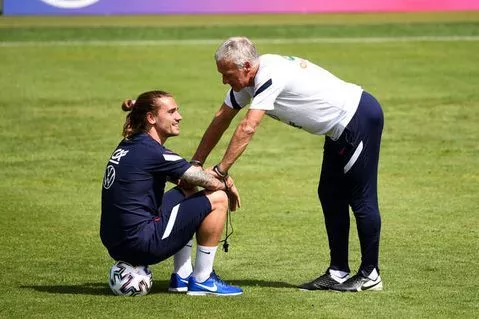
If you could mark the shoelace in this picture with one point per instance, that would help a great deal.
(218, 279)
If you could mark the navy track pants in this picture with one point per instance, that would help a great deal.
(349, 177)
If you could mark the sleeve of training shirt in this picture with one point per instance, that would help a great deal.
(237, 100)
(268, 85)
(168, 163)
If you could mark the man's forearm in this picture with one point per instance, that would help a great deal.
(239, 141)
(212, 135)
(241, 138)
(196, 176)
(214, 132)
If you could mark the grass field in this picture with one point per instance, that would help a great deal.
(63, 80)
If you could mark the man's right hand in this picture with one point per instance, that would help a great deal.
(233, 194)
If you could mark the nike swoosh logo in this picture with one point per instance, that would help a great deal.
(209, 288)
(371, 286)
(184, 280)
(205, 252)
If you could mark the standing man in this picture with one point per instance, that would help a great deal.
(302, 94)
(143, 225)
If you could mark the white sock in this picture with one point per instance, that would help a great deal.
(338, 275)
(205, 257)
(373, 275)
(182, 261)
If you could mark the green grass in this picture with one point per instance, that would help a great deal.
(61, 118)
(213, 32)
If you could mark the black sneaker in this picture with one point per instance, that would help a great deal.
(359, 282)
(323, 282)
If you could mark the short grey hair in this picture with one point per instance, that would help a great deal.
(237, 50)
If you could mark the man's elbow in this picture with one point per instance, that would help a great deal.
(248, 128)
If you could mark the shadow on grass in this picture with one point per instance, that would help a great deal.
(89, 288)
(260, 283)
(159, 287)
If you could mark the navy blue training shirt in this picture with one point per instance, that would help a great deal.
(133, 186)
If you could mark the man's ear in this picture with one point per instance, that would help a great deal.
(247, 66)
(150, 118)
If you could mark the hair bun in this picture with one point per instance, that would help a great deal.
(127, 105)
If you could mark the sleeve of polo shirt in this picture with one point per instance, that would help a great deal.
(266, 91)
(237, 100)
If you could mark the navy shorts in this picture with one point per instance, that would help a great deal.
(162, 237)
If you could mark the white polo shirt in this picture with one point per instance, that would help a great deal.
(300, 93)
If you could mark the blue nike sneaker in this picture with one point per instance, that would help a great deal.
(212, 286)
(178, 284)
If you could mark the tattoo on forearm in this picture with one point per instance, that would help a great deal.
(197, 176)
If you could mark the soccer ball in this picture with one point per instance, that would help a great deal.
(126, 280)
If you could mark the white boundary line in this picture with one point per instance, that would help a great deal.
(259, 41)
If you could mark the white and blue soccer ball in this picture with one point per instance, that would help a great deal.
(127, 280)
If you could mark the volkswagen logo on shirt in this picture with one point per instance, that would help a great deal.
(70, 4)
(109, 177)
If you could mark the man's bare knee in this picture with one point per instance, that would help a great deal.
(218, 199)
